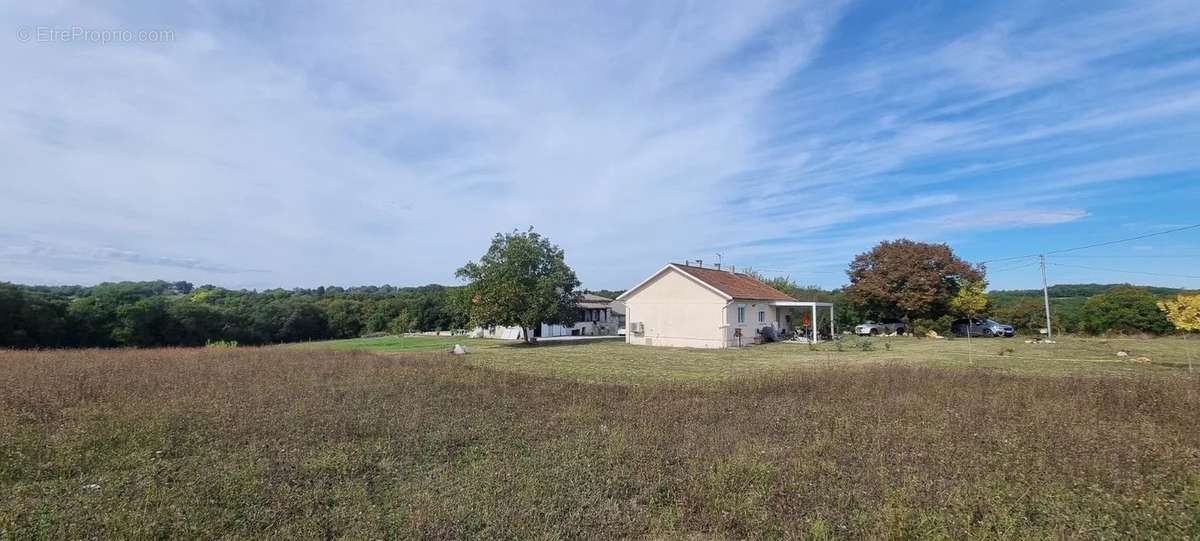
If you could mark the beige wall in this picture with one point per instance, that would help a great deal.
(751, 324)
(676, 311)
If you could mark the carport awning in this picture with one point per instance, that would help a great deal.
(801, 303)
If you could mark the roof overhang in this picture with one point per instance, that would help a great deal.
(800, 303)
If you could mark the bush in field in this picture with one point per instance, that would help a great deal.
(940, 325)
(1125, 309)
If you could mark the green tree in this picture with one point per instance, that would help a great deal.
(522, 280)
(400, 324)
(903, 278)
(305, 322)
(195, 323)
(1028, 314)
(30, 318)
(145, 323)
(1124, 308)
(345, 318)
(970, 300)
(92, 320)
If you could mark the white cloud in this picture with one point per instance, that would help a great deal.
(371, 142)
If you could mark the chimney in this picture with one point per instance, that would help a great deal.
(733, 269)
(718, 266)
(700, 263)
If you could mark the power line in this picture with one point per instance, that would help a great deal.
(1133, 256)
(777, 271)
(1139, 237)
(1014, 267)
(1126, 271)
(1096, 245)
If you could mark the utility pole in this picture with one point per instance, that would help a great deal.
(1046, 297)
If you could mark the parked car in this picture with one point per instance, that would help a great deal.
(981, 327)
(887, 326)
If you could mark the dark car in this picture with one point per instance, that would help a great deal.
(980, 327)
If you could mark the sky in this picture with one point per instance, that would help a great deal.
(294, 144)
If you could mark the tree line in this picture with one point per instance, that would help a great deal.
(159, 313)
(928, 286)
(523, 280)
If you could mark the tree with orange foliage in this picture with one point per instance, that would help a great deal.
(903, 278)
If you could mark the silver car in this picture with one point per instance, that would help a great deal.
(981, 327)
(887, 326)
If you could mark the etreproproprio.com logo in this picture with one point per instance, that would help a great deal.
(54, 34)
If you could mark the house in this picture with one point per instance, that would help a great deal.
(686, 305)
(597, 316)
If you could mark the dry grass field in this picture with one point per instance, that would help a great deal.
(290, 442)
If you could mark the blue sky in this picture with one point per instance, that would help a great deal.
(294, 144)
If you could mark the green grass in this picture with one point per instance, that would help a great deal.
(395, 344)
(617, 362)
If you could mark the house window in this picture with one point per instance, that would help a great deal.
(762, 316)
(741, 314)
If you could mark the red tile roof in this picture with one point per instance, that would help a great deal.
(736, 285)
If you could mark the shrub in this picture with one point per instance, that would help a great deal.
(1028, 316)
(1124, 309)
(939, 325)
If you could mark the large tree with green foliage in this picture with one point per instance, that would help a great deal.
(1124, 308)
(523, 280)
(903, 278)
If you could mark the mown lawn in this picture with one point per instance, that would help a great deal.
(398, 343)
(287, 443)
(617, 362)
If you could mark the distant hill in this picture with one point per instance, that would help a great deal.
(1023, 307)
(1083, 290)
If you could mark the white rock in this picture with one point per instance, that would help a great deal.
(459, 350)
(1122, 354)
(92, 486)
